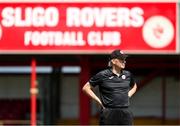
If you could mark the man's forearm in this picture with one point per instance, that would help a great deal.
(132, 91)
(88, 90)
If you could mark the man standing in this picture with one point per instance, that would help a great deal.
(116, 86)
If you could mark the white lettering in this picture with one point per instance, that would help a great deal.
(104, 39)
(73, 17)
(104, 17)
(7, 17)
(100, 17)
(112, 19)
(48, 38)
(137, 18)
(86, 17)
(51, 16)
(27, 38)
(37, 17)
(123, 18)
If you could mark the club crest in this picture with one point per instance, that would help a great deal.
(123, 77)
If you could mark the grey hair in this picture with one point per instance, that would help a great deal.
(110, 63)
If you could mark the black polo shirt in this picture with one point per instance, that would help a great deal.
(113, 89)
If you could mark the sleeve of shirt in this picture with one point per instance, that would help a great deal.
(132, 80)
(95, 80)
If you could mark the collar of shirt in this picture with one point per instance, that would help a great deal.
(113, 74)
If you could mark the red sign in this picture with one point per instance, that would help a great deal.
(88, 27)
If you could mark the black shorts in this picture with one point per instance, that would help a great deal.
(116, 116)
